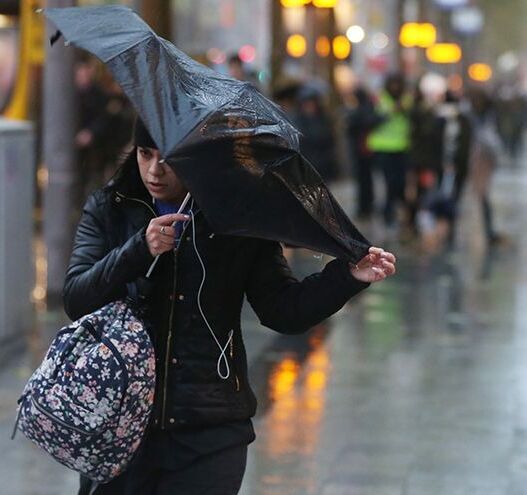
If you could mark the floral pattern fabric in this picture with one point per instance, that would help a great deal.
(89, 402)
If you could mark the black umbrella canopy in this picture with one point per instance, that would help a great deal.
(235, 150)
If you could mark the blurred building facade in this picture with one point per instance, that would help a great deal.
(213, 30)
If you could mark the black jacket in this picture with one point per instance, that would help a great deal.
(110, 259)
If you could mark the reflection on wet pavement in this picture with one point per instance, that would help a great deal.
(417, 387)
(293, 424)
(420, 389)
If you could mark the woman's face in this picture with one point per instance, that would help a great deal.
(160, 180)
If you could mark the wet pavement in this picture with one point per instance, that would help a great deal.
(417, 387)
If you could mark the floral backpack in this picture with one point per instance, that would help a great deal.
(89, 402)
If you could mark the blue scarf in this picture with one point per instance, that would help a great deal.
(163, 208)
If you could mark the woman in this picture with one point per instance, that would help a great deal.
(200, 428)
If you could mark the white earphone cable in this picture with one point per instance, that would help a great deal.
(222, 359)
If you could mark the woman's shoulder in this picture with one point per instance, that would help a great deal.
(100, 199)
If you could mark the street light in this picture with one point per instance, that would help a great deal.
(414, 34)
(296, 45)
(323, 46)
(444, 53)
(341, 47)
(294, 3)
(355, 34)
(247, 53)
(409, 34)
(427, 35)
(380, 41)
(321, 4)
(480, 72)
(325, 4)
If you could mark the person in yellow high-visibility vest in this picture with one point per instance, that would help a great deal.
(390, 141)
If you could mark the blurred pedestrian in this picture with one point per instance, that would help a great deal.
(425, 156)
(286, 96)
(124, 227)
(91, 128)
(317, 141)
(440, 153)
(119, 118)
(361, 119)
(390, 141)
(511, 117)
(457, 142)
(485, 153)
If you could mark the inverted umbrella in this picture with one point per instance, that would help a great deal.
(235, 150)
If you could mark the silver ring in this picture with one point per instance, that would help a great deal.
(162, 229)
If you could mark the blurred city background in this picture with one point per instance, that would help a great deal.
(414, 112)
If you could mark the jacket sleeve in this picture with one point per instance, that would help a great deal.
(98, 274)
(289, 306)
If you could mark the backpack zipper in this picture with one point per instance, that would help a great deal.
(52, 417)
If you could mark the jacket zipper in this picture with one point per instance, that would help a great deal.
(167, 353)
(144, 203)
(169, 338)
(171, 317)
(170, 324)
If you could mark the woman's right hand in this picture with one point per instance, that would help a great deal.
(160, 235)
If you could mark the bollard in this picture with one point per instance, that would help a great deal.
(17, 185)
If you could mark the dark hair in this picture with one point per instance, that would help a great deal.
(395, 84)
(127, 178)
(141, 136)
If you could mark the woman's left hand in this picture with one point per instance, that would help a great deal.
(375, 266)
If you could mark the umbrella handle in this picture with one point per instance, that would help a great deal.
(181, 208)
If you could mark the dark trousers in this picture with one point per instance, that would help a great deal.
(220, 473)
(364, 175)
(459, 188)
(488, 219)
(393, 167)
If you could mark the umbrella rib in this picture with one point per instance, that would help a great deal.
(352, 241)
(197, 125)
(148, 35)
(164, 48)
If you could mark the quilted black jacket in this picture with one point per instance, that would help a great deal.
(110, 259)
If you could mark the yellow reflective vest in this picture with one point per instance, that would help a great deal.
(393, 134)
